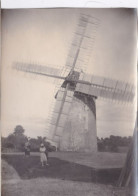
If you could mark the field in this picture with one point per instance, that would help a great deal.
(67, 174)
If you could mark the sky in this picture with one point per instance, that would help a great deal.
(44, 36)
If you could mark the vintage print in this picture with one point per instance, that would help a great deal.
(68, 102)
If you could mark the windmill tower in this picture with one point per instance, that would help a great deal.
(72, 125)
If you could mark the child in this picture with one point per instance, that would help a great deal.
(43, 157)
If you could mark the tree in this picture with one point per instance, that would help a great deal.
(40, 139)
(19, 130)
(35, 144)
(11, 140)
(17, 139)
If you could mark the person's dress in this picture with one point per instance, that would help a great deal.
(42, 154)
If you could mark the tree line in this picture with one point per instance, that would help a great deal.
(113, 143)
(16, 141)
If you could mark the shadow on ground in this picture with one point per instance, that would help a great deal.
(30, 167)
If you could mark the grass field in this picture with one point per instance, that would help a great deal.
(67, 174)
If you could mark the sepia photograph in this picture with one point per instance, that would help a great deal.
(69, 102)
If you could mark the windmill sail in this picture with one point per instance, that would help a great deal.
(83, 42)
(60, 113)
(106, 88)
(88, 84)
(38, 69)
(78, 55)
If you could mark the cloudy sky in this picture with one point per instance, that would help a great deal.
(44, 36)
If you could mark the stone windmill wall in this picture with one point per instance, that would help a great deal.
(79, 132)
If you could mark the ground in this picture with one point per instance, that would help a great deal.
(68, 174)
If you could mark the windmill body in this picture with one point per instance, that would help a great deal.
(76, 128)
(79, 133)
(79, 129)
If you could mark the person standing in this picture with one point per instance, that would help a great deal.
(46, 152)
(43, 157)
(47, 148)
(27, 148)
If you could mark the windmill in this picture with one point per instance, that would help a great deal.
(72, 125)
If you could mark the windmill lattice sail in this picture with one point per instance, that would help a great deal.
(106, 88)
(57, 126)
(37, 69)
(86, 83)
(83, 42)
